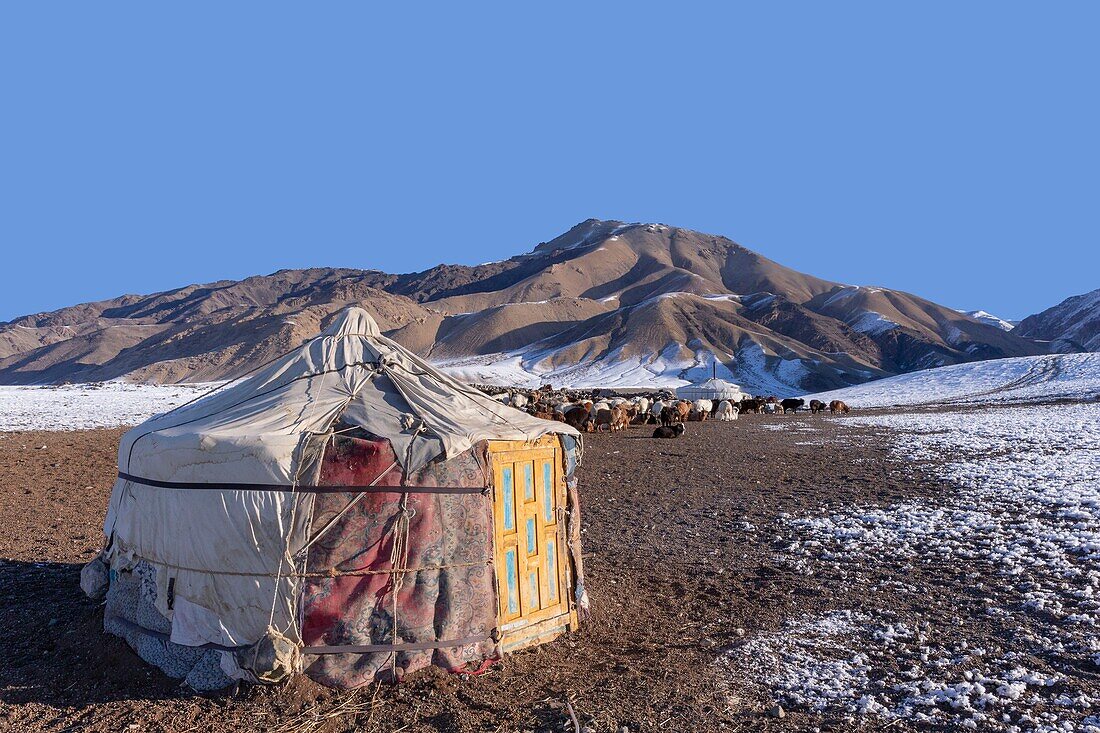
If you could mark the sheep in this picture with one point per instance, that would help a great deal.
(752, 404)
(837, 406)
(620, 418)
(792, 403)
(603, 418)
(683, 407)
(669, 431)
(518, 400)
(577, 416)
(656, 410)
(816, 406)
(726, 411)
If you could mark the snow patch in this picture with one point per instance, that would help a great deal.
(872, 323)
(989, 319)
(1019, 379)
(1024, 516)
(87, 406)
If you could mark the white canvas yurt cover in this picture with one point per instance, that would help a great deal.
(338, 493)
(712, 389)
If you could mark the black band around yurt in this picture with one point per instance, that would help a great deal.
(300, 489)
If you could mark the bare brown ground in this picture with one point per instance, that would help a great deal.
(673, 569)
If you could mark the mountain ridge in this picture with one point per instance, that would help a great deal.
(656, 299)
(1072, 325)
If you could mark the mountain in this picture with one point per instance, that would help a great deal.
(1072, 325)
(606, 303)
(991, 319)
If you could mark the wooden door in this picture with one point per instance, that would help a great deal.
(533, 580)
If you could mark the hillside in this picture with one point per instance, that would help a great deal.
(604, 303)
(1072, 325)
(1048, 378)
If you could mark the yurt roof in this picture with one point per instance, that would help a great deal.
(713, 388)
(249, 431)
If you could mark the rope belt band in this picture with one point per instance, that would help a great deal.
(303, 489)
(415, 647)
(330, 573)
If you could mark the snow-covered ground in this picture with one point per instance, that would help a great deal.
(1021, 379)
(1017, 525)
(84, 406)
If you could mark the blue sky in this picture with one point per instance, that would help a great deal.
(947, 149)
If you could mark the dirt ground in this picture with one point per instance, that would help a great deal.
(679, 546)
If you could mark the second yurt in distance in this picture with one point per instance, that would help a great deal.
(713, 389)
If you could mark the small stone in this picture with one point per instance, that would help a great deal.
(777, 712)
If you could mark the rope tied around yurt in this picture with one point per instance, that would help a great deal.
(287, 556)
(399, 563)
(399, 550)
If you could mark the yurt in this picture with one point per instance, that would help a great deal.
(347, 511)
(712, 389)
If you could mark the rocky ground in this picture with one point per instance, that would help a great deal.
(735, 574)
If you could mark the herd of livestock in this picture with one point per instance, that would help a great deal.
(593, 412)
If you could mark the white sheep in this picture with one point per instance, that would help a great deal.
(704, 406)
(726, 411)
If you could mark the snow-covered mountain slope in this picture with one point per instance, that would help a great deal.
(1072, 325)
(990, 319)
(606, 298)
(1023, 379)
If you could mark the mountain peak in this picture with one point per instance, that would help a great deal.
(990, 319)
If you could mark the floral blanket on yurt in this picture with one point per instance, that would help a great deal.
(392, 571)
